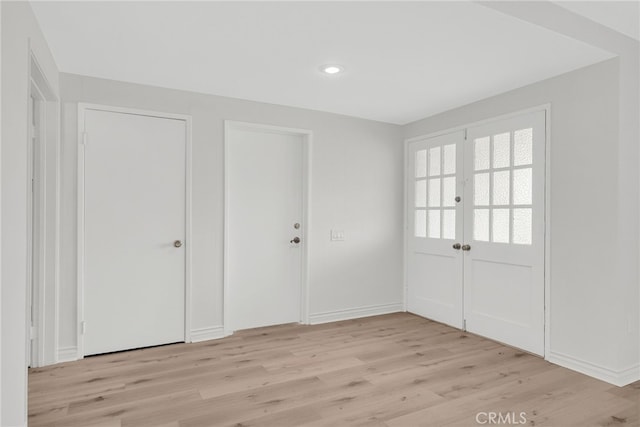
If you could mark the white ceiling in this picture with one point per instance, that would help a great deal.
(622, 16)
(404, 60)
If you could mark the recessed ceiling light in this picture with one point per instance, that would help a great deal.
(331, 69)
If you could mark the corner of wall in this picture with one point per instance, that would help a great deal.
(67, 354)
(355, 313)
(619, 378)
(208, 333)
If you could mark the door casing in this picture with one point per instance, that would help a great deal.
(82, 108)
(307, 137)
(36, 226)
(43, 226)
(547, 199)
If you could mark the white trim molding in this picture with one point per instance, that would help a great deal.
(355, 313)
(208, 333)
(43, 223)
(619, 378)
(67, 354)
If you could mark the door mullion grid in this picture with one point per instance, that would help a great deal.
(491, 177)
(417, 179)
(511, 182)
(427, 168)
(441, 191)
(442, 205)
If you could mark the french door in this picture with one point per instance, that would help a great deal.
(476, 229)
(435, 269)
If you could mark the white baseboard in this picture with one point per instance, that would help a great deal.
(629, 375)
(618, 378)
(67, 354)
(355, 313)
(205, 334)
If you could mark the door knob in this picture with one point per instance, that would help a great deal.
(295, 240)
(466, 247)
(457, 246)
(177, 243)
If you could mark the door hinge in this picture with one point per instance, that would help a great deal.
(83, 327)
(84, 138)
(464, 325)
(33, 332)
(465, 134)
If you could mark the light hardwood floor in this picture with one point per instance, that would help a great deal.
(392, 370)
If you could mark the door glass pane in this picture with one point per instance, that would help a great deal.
(449, 191)
(522, 226)
(449, 158)
(420, 224)
(481, 189)
(501, 150)
(449, 224)
(421, 194)
(434, 161)
(481, 225)
(523, 147)
(434, 223)
(522, 186)
(501, 188)
(481, 153)
(421, 163)
(501, 225)
(434, 192)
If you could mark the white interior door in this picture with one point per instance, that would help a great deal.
(134, 212)
(264, 203)
(478, 263)
(434, 265)
(504, 217)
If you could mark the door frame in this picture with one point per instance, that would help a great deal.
(36, 230)
(82, 141)
(547, 208)
(307, 138)
(42, 335)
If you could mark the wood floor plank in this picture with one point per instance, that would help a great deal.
(393, 370)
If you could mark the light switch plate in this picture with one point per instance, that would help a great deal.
(337, 235)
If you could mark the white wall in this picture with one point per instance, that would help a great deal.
(584, 205)
(20, 32)
(625, 313)
(356, 186)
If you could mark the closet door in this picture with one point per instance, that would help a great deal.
(435, 228)
(133, 236)
(504, 231)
